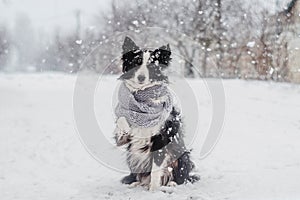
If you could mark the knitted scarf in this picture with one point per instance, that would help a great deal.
(144, 108)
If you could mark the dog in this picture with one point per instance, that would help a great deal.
(148, 122)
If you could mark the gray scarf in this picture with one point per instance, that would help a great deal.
(140, 110)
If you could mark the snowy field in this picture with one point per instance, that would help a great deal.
(41, 156)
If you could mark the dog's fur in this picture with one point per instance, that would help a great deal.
(157, 155)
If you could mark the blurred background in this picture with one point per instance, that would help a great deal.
(245, 39)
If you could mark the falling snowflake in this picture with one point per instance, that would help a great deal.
(79, 42)
(251, 44)
(135, 22)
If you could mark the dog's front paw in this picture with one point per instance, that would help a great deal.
(123, 124)
(172, 184)
(154, 186)
(122, 132)
(121, 136)
(134, 184)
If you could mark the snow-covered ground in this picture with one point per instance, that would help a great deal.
(41, 156)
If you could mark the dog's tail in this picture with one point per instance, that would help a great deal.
(181, 173)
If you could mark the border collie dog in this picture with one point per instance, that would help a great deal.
(147, 121)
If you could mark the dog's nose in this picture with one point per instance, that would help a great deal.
(141, 78)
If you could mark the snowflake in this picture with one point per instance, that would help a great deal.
(79, 42)
(251, 44)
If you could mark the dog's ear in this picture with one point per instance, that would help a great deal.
(129, 45)
(163, 54)
(166, 47)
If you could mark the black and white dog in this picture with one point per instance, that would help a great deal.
(148, 122)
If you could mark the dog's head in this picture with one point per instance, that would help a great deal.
(142, 67)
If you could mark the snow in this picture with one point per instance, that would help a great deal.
(135, 22)
(79, 42)
(41, 156)
(251, 44)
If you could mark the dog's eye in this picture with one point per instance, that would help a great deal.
(139, 61)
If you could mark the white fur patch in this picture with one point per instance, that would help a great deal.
(122, 131)
(156, 174)
(141, 137)
(123, 124)
(143, 70)
(133, 84)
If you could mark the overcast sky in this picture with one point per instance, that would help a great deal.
(47, 14)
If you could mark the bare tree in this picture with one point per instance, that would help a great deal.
(219, 30)
(271, 55)
(4, 46)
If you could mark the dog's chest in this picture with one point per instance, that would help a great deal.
(141, 137)
(139, 155)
